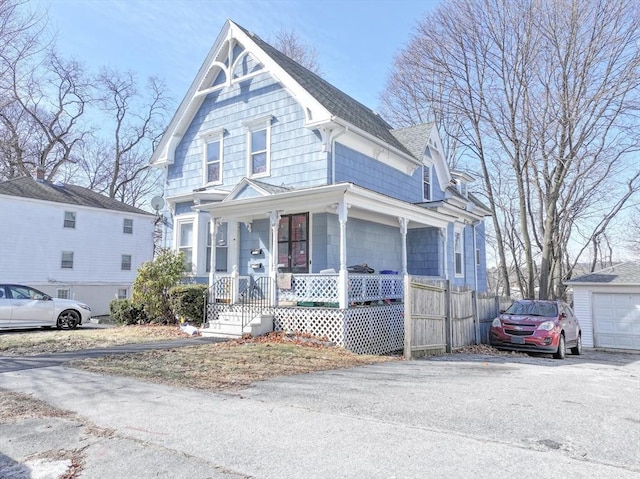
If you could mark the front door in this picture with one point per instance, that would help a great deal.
(293, 243)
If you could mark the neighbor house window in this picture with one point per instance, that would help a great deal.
(478, 256)
(458, 250)
(69, 219)
(125, 262)
(185, 244)
(122, 293)
(213, 149)
(259, 146)
(67, 260)
(127, 226)
(426, 183)
(63, 293)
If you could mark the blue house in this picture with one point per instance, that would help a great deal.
(282, 188)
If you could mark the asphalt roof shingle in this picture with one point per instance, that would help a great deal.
(623, 273)
(336, 101)
(27, 187)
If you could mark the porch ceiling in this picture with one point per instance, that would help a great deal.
(363, 204)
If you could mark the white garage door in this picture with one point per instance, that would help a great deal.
(616, 320)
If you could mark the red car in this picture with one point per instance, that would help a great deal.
(537, 326)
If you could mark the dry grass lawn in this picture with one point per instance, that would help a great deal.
(222, 366)
(231, 365)
(33, 342)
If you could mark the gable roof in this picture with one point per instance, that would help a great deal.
(323, 103)
(27, 187)
(260, 187)
(621, 274)
(336, 101)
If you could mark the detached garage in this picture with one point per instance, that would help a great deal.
(607, 304)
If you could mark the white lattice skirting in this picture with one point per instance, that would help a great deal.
(365, 330)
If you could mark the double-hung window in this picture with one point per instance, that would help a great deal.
(125, 262)
(458, 248)
(127, 226)
(259, 146)
(67, 260)
(185, 244)
(212, 159)
(70, 219)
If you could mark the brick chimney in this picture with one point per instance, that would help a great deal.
(40, 173)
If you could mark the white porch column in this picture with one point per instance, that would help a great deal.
(343, 275)
(215, 224)
(273, 250)
(403, 232)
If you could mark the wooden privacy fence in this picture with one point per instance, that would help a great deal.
(439, 318)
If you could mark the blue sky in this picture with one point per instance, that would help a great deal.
(356, 40)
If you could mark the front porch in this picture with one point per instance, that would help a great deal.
(372, 322)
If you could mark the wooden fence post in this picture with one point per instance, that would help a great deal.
(476, 319)
(447, 316)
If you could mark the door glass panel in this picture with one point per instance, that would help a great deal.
(293, 244)
(299, 257)
(283, 229)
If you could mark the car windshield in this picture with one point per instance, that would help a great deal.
(533, 309)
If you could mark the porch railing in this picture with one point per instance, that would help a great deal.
(255, 299)
(323, 288)
(304, 290)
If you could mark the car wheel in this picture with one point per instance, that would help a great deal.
(68, 319)
(577, 349)
(562, 350)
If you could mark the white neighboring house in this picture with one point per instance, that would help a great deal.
(71, 242)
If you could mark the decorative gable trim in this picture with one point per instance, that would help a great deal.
(224, 58)
(221, 58)
(241, 188)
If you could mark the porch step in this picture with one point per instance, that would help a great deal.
(230, 326)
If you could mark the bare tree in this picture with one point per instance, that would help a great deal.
(290, 43)
(116, 162)
(42, 115)
(548, 90)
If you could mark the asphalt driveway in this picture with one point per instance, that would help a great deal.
(452, 416)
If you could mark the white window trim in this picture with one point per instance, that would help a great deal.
(68, 290)
(430, 169)
(126, 293)
(211, 137)
(122, 262)
(62, 259)
(458, 231)
(180, 220)
(257, 124)
(124, 222)
(64, 220)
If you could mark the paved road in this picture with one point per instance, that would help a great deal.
(455, 416)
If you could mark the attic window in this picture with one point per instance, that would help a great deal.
(426, 182)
